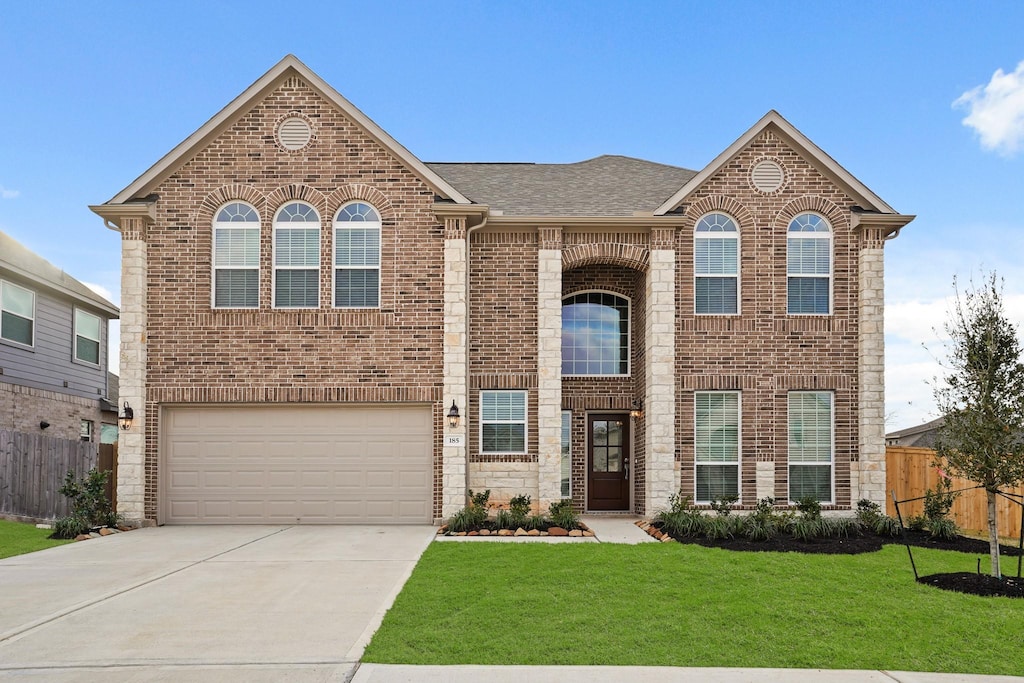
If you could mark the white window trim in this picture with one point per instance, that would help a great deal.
(525, 421)
(739, 444)
(832, 446)
(91, 431)
(342, 225)
(74, 342)
(273, 255)
(35, 300)
(722, 236)
(218, 225)
(831, 261)
(568, 494)
(629, 332)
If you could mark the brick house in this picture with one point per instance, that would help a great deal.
(305, 303)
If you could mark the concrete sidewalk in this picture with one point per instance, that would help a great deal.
(393, 673)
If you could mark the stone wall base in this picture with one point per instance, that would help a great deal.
(505, 480)
(22, 408)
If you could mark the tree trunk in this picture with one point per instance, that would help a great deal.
(993, 533)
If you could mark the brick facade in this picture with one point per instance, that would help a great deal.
(471, 301)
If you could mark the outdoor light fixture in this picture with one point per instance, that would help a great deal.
(453, 416)
(638, 409)
(43, 424)
(126, 417)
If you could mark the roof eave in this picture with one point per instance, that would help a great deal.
(99, 303)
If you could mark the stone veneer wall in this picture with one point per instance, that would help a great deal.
(659, 400)
(456, 387)
(132, 471)
(868, 477)
(22, 409)
(506, 480)
(549, 369)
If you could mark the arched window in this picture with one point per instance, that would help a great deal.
(297, 256)
(716, 265)
(357, 257)
(595, 334)
(809, 265)
(236, 257)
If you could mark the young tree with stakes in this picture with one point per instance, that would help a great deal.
(982, 398)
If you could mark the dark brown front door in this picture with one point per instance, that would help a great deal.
(608, 462)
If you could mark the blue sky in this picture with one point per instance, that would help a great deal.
(94, 93)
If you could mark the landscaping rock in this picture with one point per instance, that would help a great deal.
(473, 533)
(588, 532)
(485, 532)
(504, 532)
(520, 532)
(82, 537)
(533, 532)
(557, 531)
(576, 533)
(106, 532)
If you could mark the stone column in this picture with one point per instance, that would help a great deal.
(660, 373)
(867, 477)
(456, 386)
(549, 367)
(131, 448)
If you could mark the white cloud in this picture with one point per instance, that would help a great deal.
(100, 289)
(8, 194)
(996, 111)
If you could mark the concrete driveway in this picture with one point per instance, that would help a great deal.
(218, 603)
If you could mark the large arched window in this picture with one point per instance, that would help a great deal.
(809, 265)
(236, 257)
(595, 334)
(716, 265)
(357, 256)
(297, 256)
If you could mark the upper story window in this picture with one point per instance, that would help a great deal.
(595, 334)
(87, 337)
(716, 265)
(17, 313)
(297, 256)
(809, 265)
(357, 256)
(236, 257)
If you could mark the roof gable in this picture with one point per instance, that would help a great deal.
(802, 144)
(287, 67)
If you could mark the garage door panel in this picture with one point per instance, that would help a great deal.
(276, 464)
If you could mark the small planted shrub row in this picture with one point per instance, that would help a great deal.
(766, 522)
(90, 507)
(476, 515)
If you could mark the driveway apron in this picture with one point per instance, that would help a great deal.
(203, 603)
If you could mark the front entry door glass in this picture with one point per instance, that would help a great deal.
(608, 455)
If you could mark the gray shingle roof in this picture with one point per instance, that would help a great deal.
(604, 186)
(19, 259)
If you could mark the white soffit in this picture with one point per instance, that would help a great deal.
(789, 133)
(187, 148)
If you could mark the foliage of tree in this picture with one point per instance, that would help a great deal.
(982, 398)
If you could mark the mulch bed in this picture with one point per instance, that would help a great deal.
(962, 582)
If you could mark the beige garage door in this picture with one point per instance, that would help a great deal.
(290, 464)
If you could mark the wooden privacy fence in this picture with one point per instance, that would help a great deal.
(909, 472)
(32, 469)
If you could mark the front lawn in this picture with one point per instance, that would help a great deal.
(17, 538)
(676, 604)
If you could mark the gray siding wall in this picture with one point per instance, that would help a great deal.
(49, 364)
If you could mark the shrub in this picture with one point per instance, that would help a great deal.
(463, 520)
(519, 509)
(89, 502)
(678, 503)
(809, 508)
(944, 529)
(722, 526)
(763, 523)
(69, 527)
(682, 522)
(723, 504)
(870, 515)
(505, 520)
(535, 522)
(887, 526)
(562, 515)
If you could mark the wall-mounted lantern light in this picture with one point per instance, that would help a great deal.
(126, 417)
(638, 409)
(453, 416)
(43, 424)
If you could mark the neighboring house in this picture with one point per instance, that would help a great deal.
(53, 348)
(921, 436)
(109, 429)
(305, 302)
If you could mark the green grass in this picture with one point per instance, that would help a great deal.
(685, 605)
(17, 538)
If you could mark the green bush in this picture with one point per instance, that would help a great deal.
(763, 523)
(722, 527)
(723, 504)
(535, 522)
(90, 506)
(69, 527)
(562, 515)
(809, 508)
(519, 510)
(944, 529)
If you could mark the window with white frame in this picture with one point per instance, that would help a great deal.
(810, 445)
(716, 444)
(502, 421)
(357, 230)
(85, 432)
(809, 265)
(87, 337)
(17, 313)
(566, 453)
(236, 257)
(297, 256)
(716, 265)
(595, 334)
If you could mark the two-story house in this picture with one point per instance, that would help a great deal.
(319, 327)
(53, 349)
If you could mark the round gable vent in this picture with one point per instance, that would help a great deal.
(767, 176)
(294, 133)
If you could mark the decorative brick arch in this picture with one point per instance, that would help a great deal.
(838, 218)
(722, 204)
(361, 192)
(230, 193)
(296, 192)
(616, 254)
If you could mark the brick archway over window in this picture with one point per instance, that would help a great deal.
(616, 254)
